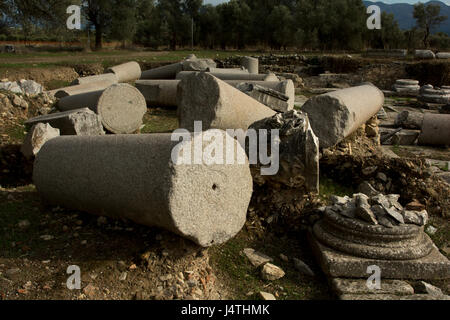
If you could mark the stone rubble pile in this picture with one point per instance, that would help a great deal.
(26, 87)
(430, 94)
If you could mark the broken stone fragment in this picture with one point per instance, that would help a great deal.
(435, 130)
(341, 201)
(367, 189)
(361, 200)
(256, 258)
(273, 99)
(393, 201)
(303, 268)
(412, 217)
(80, 122)
(366, 215)
(271, 272)
(409, 120)
(36, 138)
(395, 214)
(298, 150)
(424, 287)
(267, 296)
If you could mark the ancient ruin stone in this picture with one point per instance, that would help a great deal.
(298, 150)
(251, 64)
(256, 258)
(336, 115)
(409, 120)
(216, 104)
(273, 99)
(159, 93)
(271, 272)
(435, 129)
(80, 122)
(126, 72)
(443, 55)
(36, 138)
(424, 54)
(143, 178)
(121, 107)
(109, 77)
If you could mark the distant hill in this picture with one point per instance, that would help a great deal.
(403, 13)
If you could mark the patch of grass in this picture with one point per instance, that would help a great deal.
(245, 280)
(56, 84)
(17, 133)
(329, 187)
(160, 121)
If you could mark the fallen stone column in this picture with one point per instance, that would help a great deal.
(298, 151)
(336, 115)
(216, 104)
(409, 120)
(273, 99)
(424, 54)
(235, 76)
(121, 107)
(81, 88)
(136, 177)
(196, 64)
(435, 130)
(165, 72)
(110, 77)
(285, 87)
(159, 93)
(126, 72)
(387, 53)
(228, 71)
(251, 64)
(79, 122)
(443, 55)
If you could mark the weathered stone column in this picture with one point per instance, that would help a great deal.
(135, 177)
(121, 107)
(336, 115)
(251, 64)
(159, 93)
(81, 88)
(409, 120)
(126, 72)
(228, 70)
(435, 129)
(216, 104)
(235, 76)
(165, 72)
(110, 77)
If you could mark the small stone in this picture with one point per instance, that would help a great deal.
(397, 216)
(424, 287)
(23, 224)
(367, 189)
(381, 200)
(256, 258)
(431, 230)
(341, 201)
(415, 206)
(369, 170)
(123, 276)
(366, 215)
(167, 277)
(303, 267)
(267, 296)
(46, 237)
(412, 217)
(361, 200)
(271, 272)
(424, 216)
(393, 200)
(382, 176)
(284, 258)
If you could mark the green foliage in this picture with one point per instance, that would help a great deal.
(428, 17)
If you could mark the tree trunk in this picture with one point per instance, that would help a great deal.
(98, 37)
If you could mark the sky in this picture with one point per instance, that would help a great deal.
(447, 2)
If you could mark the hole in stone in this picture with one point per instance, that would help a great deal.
(214, 187)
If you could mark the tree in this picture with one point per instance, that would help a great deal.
(98, 13)
(281, 21)
(428, 17)
(123, 20)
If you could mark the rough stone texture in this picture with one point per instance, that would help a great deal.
(121, 107)
(81, 89)
(435, 129)
(427, 288)
(443, 55)
(303, 268)
(251, 64)
(195, 64)
(27, 87)
(298, 150)
(424, 54)
(273, 99)
(336, 115)
(286, 87)
(271, 272)
(256, 258)
(387, 53)
(165, 72)
(126, 72)
(135, 177)
(110, 77)
(401, 137)
(36, 138)
(217, 104)
(80, 122)
(359, 286)
(267, 296)
(159, 93)
(242, 76)
(337, 264)
(409, 120)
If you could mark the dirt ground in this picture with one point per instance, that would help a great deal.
(121, 260)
